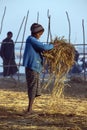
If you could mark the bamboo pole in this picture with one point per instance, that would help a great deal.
(49, 35)
(37, 17)
(2, 19)
(84, 49)
(69, 26)
(49, 28)
(23, 41)
(19, 29)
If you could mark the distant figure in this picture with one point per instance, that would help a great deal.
(8, 56)
(84, 63)
(76, 68)
(76, 56)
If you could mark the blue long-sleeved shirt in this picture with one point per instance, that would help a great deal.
(32, 57)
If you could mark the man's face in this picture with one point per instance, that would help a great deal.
(9, 36)
(39, 34)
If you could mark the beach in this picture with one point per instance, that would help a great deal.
(68, 112)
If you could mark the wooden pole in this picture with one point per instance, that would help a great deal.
(69, 26)
(84, 49)
(2, 20)
(37, 17)
(23, 41)
(19, 29)
(49, 28)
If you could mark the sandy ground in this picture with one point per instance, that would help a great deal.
(66, 113)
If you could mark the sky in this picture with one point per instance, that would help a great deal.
(17, 9)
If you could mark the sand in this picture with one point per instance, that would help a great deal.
(69, 112)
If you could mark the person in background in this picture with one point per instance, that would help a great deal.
(33, 62)
(76, 56)
(8, 56)
(76, 68)
(84, 63)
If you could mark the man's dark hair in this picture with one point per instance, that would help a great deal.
(9, 33)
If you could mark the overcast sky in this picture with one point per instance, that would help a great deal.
(17, 9)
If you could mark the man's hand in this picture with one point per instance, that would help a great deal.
(55, 45)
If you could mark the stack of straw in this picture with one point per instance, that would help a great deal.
(59, 61)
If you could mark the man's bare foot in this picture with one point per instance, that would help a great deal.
(29, 112)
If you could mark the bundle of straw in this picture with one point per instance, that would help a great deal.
(60, 60)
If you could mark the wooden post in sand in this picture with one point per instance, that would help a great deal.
(84, 49)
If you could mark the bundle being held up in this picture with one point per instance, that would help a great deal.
(60, 60)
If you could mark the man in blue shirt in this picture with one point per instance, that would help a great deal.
(33, 62)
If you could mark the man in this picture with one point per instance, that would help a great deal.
(33, 62)
(8, 56)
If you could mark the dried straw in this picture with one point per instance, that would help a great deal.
(59, 60)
